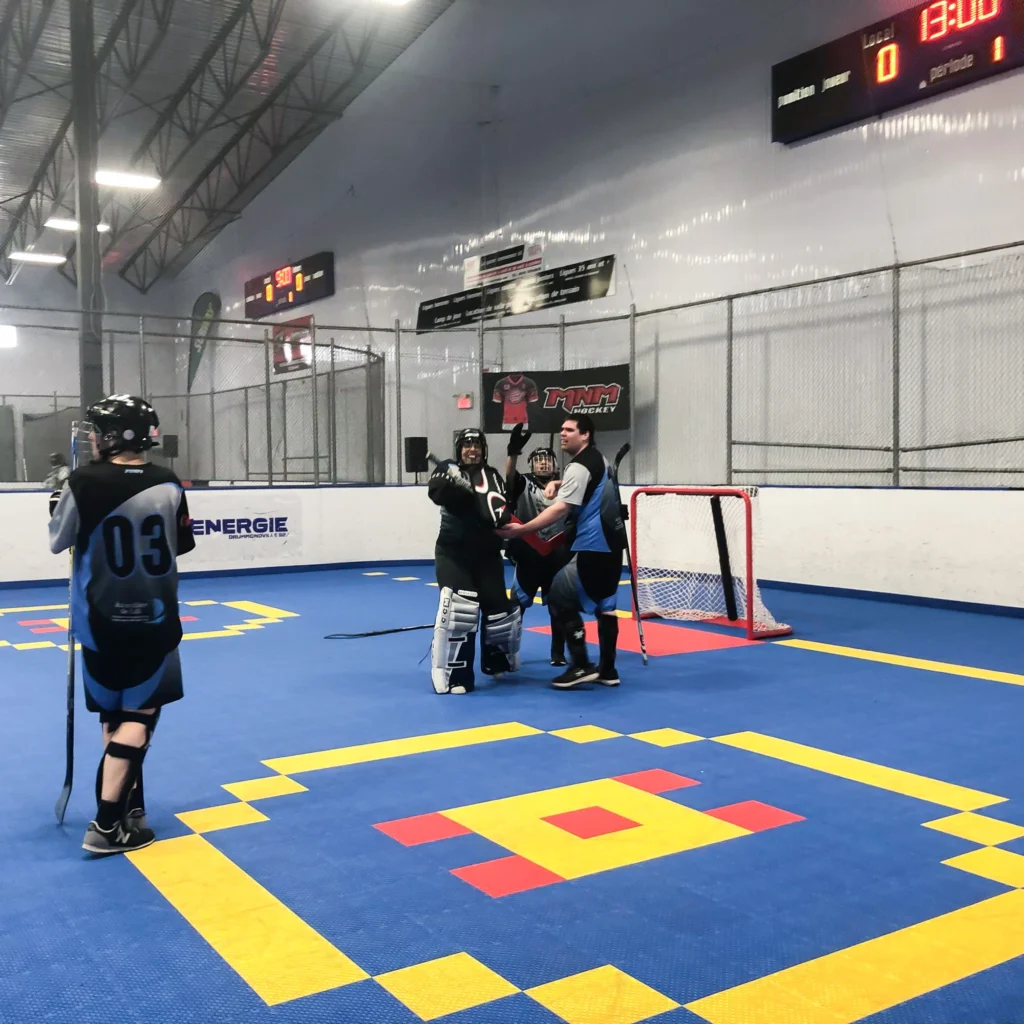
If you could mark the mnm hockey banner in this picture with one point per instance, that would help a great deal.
(543, 399)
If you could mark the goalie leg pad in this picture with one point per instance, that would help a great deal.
(454, 646)
(503, 634)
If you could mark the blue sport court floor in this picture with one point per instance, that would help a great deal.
(828, 829)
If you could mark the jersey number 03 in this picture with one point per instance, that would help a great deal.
(120, 545)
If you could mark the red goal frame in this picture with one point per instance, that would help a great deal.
(747, 622)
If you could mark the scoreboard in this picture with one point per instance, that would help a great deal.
(285, 288)
(925, 50)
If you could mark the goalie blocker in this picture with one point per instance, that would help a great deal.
(694, 550)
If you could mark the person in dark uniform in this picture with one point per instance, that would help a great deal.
(128, 522)
(534, 570)
(470, 570)
(588, 500)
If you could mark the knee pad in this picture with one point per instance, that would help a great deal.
(454, 645)
(502, 636)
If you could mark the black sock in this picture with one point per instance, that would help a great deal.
(137, 797)
(608, 635)
(108, 814)
(576, 641)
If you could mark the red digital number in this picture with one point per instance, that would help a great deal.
(945, 16)
(935, 21)
(283, 278)
(888, 63)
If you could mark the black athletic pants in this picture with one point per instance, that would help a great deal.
(483, 574)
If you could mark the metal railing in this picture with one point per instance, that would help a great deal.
(900, 376)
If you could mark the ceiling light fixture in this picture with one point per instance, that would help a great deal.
(66, 224)
(8, 336)
(121, 179)
(49, 258)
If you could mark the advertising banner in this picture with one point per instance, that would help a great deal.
(293, 345)
(560, 286)
(258, 526)
(505, 265)
(541, 400)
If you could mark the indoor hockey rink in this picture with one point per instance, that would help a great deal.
(775, 251)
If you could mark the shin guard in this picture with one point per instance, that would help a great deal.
(454, 646)
(499, 646)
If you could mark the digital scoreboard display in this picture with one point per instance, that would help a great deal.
(297, 284)
(929, 49)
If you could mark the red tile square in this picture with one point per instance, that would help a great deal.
(506, 876)
(590, 822)
(424, 828)
(754, 815)
(189, 618)
(656, 780)
(662, 639)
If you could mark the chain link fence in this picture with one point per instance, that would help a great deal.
(901, 376)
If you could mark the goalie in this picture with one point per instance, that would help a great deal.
(470, 570)
(535, 571)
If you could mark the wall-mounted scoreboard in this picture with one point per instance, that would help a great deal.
(285, 288)
(927, 49)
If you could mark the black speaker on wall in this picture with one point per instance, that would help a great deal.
(416, 455)
(169, 446)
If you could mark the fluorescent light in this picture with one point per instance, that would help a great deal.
(121, 179)
(8, 336)
(50, 258)
(66, 224)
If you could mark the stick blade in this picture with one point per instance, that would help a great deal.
(62, 803)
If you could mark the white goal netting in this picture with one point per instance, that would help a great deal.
(694, 552)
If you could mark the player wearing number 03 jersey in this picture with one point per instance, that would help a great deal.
(128, 522)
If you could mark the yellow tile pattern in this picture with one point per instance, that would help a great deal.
(271, 948)
(604, 995)
(894, 780)
(213, 819)
(897, 659)
(585, 734)
(977, 828)
(384, 749)
(846, 986)
(264, 789)
(261, 611)
(447, 985)
(666, 737)
(993, 863)
(665, 827)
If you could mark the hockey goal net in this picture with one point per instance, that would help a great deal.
(694, 551)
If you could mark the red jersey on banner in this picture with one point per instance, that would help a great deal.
(513, 393)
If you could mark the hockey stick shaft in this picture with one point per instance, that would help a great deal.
(622, 453)
(69, 746)
(377, 632)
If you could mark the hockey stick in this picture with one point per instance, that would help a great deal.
(377, 632)
(69, 767)
(622, 453)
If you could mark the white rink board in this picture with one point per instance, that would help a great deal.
(945, 544)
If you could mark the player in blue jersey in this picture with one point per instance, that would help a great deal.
(587, 498)
(128, 522)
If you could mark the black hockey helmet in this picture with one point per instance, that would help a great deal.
(544, 453)
(471, 435)
(123, 423)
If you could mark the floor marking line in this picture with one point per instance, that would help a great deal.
(854, 983)
(261, 611)
(34, 608)
(212, 635)
(385, 749)
(269, 946)
(946, 794)
(945, 667)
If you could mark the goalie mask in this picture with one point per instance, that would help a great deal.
(544, 464)
(469, 437)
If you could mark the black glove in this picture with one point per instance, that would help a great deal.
(517, 442)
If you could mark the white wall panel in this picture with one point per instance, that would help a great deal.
(642, 131)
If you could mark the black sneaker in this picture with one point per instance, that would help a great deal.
(137, 818)
(608, 677)
(118, 840)
(575, 677)
(558, 655)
